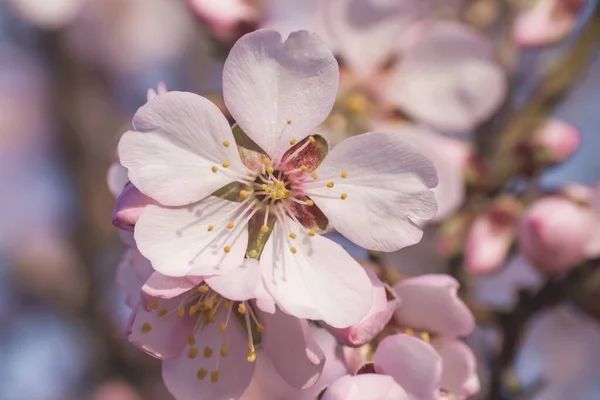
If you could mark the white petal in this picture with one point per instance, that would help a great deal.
(387, 190)
(267, 83)
(320, 281)
(367, 31)
(448, 79)
(177, 241)
(178, 139)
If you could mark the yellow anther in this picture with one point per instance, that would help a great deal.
(311, 139)
(230, 225)
(180, 311)
(227, 303)
(409, 331)
(250, 346)
(344, 174)
(201, 373)
(309, 202)
(211, 227)
(163, 312)
(153, 304)
(314, 175)
(329, 185)
(293, 142)
(425, 336)
(226, 249)
(214, 168)
(214, 376)
(265, 186)
(292, 235)
(343, 196)
(270, 170)
(293, 250)
(251, 357)
(146, 327)
(264, 229)
(208, 352)
(226, 164)
(266, 161)
(303, 168)
(203, 289)
(260, 328)
(311, 233)
(192, 353)
(224, 351)
(223, 327)
(191, 340)
(242, 308)
(226, 143)
(192, 311)
(243, 194)
(208, 303)
(289, 121)
(357, 103)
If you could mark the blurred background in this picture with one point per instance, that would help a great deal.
(73, 73)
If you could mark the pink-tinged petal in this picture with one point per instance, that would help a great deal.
(431, 303)
(319, 281)
(279, 91)
(243, 283)
(367, 31)
(548, 22)
(376, 319)
(130, 204)
(166, 287)
(557, 139)
(365, 386)
(381, 189)
(178, 140)
(210, 371)
(554, 233)
(159, 331)
(449, 156)
(459, 367)
(132, 273)
(448, 79)
(288, 343)
(224, 16)
(413, 364)
(117, 178)
(192, 240)
(488, 243)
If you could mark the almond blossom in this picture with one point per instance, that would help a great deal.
(221, 205)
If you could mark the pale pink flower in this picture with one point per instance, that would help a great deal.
(406, 367)
(555, 232)
(225, 17)
(209, 352)
(372, 188)
(547, 22)
(488, 243)
(557, 140)
(48, 14)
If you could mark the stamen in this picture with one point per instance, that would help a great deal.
(226, 143)
(243, 194)
(266, 161)
(264, 229)
(153, 305)
(191, 340)
(226, 164)
(344, 174)
(203, 289)
(311, 233)
(293, 250)
(192, 353)
(292, 235)
(214, 168)
(146, 328)
(293, 142)
(211, 227)
(163, 312)
(329, 185)
(224, 351)
(227, 249)
(314, 175)
(289, 121)
(343, 196)
(270, 170)
(201, 374)
(309, 202)
(242, 308)
(208, 352)
(214, 376)
(260, 328)
(230, 225)
(311, 139)
(425, 336)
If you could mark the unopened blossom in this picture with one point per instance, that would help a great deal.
(221, 204)
(547, 22)
(208, 343)
(556, 141)
(556, 232)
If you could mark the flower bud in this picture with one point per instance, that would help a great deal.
(555, 141)
(130, 204)
(554, 233)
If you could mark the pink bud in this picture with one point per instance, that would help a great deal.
(554, 233)
(558, 140)
(224, 17)
(376, 319)
(130, 204)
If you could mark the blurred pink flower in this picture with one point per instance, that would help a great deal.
(488, 242)
(225, 17)
(171, 161)
(130, 205)
(207, 351)
(555, 232)
(115, 390)
(548, 22)
(558, 140)
(376, 319)
(53, 14)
